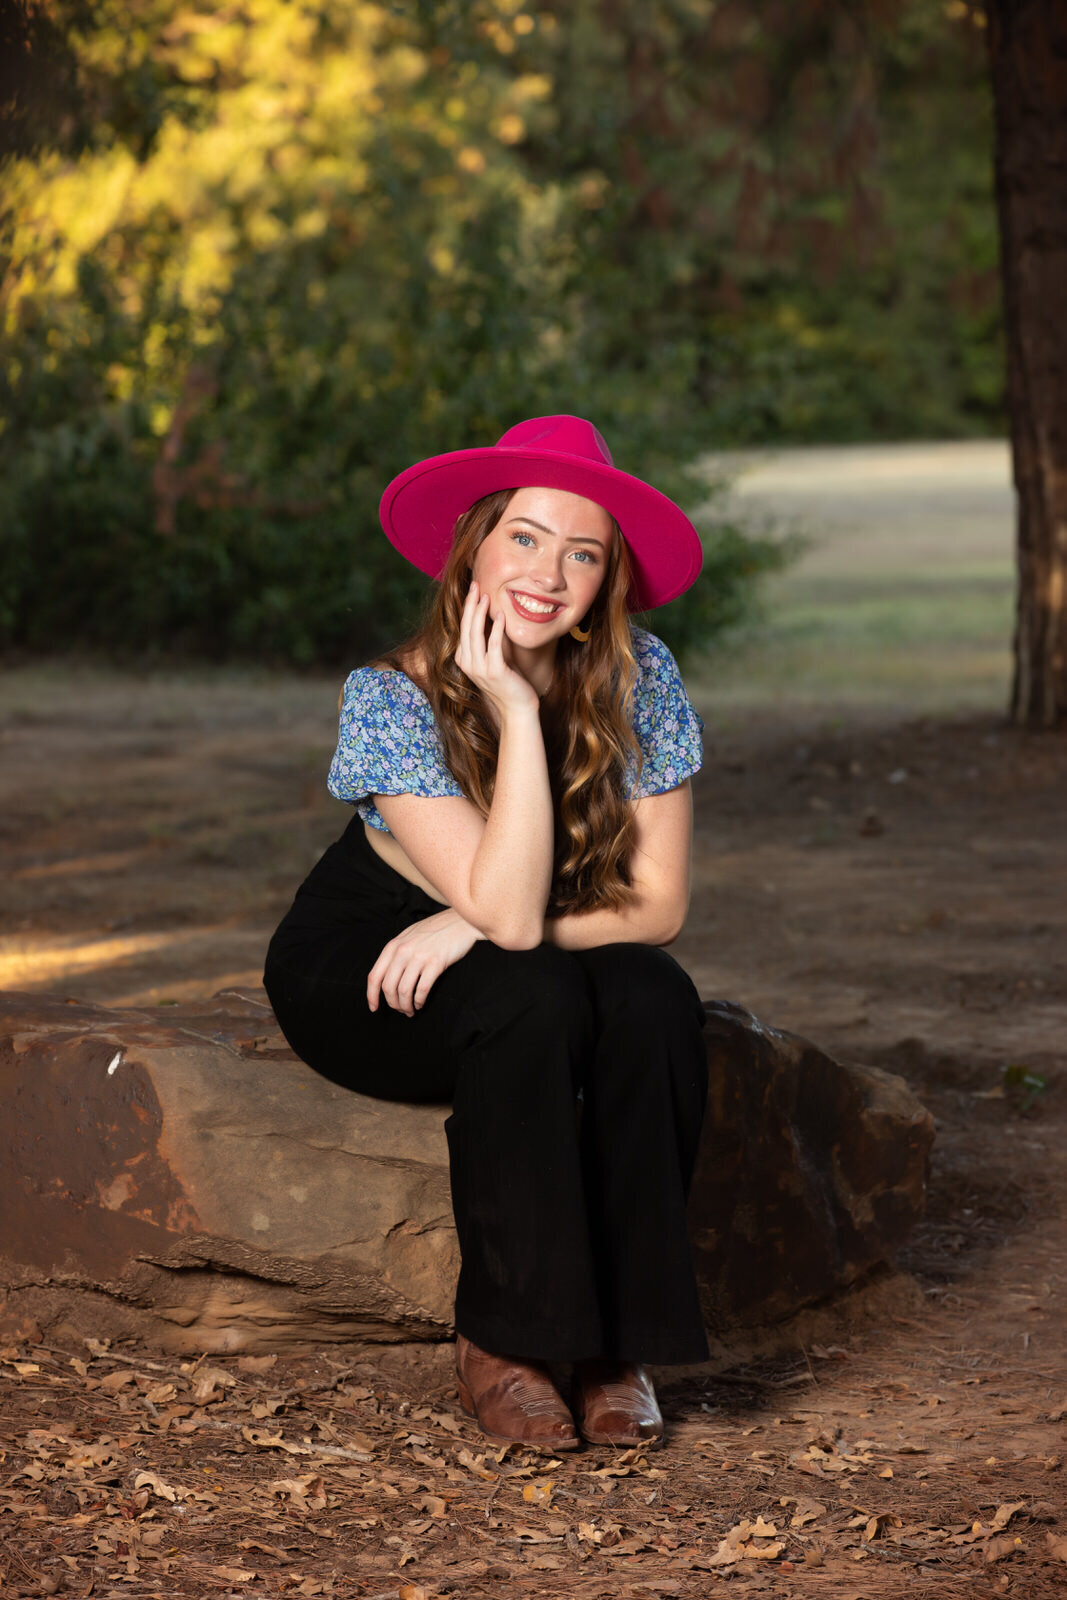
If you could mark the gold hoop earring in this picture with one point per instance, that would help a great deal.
(580, 633)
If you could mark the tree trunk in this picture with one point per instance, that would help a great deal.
(1028, 57)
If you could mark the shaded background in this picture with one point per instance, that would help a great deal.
(263, 255)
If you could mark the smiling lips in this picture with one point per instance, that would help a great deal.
(532, 609)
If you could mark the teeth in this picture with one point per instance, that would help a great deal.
(534, 605)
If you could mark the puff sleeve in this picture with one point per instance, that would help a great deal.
(387, 743)
(668, 730)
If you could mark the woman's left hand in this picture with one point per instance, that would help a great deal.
(410, 964)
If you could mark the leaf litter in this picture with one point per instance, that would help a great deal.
(120, 1473)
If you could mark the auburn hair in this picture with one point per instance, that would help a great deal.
(593, 753)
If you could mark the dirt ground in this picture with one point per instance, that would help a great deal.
(894, 889)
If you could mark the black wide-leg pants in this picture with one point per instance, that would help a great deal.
(577, 1082)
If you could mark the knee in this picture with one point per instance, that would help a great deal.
(543, 989)
(642, 981)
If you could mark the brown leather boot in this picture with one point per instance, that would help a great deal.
(615, 1403)
(514, 1402)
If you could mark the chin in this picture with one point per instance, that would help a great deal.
(532, 634)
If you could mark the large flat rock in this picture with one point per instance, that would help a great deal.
(180, 1176)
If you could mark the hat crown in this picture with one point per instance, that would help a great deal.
(562, 435)
(421, 506)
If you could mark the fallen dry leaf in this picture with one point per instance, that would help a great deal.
(308, 1491)
(805, 1511)
(739, 1544)
(1056, 1544)
(1006, 1545)
(876, 1526)
(113, 1381)
(272, 1441)
(1004, 1514)
(152, 1481)
(475, 1464)
(233, 1574)
(209, 1384)
(98, 1454)
(538, 1494)
(359, 1441)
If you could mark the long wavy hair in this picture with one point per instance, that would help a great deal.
(586, 715)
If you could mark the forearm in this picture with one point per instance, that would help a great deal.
(645, 921)
(660, 868)
(511, 873)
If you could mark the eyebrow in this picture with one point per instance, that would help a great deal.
(575, 538)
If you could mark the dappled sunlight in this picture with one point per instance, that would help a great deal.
(202, 987)
(45, 961)
(71, 866)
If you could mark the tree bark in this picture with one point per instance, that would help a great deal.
(1028, 58)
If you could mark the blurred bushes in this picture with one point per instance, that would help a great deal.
(273, 252)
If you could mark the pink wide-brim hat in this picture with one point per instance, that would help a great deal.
(420, 508)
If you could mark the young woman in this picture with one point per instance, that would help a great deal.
(490, 927)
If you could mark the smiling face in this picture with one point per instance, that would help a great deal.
(543, 563)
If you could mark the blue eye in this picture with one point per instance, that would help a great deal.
(519, 538)
(586, 556)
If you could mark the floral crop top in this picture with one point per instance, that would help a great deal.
(388, 741)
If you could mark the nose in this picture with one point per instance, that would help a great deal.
(548, 567)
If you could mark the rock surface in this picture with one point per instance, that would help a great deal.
(809, 1173)
(181, 1177)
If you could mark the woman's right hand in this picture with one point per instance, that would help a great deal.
(411, 964)
(482, 658)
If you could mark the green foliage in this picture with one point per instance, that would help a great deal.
(1028, 1086)
(270, 254)
(787, 217)
(238, 315)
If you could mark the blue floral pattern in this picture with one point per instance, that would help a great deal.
(388, 742)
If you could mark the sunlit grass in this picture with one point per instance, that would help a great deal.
(902, 600)
(938, 651)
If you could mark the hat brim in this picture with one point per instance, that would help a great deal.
(420, 508)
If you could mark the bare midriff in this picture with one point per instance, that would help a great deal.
(395, 856)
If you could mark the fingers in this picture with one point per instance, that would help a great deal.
(398, 983)
(427, 978)
(402, 978)
(471, 650)
(375, 976)
(494, 648)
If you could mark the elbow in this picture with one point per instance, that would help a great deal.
(516, 936)
(514, 932)
(669, 921)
